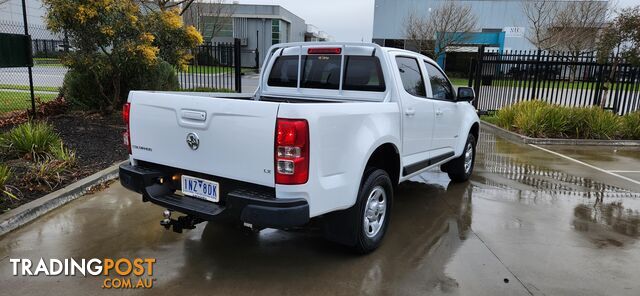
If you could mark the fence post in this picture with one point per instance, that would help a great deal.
(237, 60)
(26, 32)
(257, 50)
(597, 96)
(534, 93)
(478, 78)
(472, 70)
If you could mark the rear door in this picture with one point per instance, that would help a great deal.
(235, 136)
(417, 111)
(447, 122)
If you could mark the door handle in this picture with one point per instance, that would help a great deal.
(438, 112)
(410, 112)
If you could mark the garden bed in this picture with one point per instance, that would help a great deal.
(93, 139)
(537, 119)
(513, 136)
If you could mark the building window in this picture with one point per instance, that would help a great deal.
(395, 43)
(491, 30)
(275, 32)
(226, 28)
(223, 28)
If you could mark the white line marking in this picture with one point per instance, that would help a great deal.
(616, 171)
(586, 164)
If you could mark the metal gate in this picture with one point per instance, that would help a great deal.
(215, 67)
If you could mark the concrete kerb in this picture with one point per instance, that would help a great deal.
(30, 211)
(544, 141)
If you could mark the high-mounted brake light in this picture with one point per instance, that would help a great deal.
(324, 50)
(126, 136)
(291, 151)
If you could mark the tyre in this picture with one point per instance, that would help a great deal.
(461, 168)
(363, 226)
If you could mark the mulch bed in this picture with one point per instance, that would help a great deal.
(96, 140)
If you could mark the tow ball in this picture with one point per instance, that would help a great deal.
(183, 222)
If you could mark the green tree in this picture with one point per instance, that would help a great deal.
(620, 37)
(116, 40)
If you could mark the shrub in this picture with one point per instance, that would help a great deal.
(31, 140)
(5, 189)
(64, 154)
(83, 87)
(631, 126)
(577, 126)
(541, 119)
(119, 47)
(603, 124)
(530, 118)
(46, 174)
(5, 174)
(556, 120)
(505, 117)
(161, 76)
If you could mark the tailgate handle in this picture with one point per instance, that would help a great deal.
(194, 115)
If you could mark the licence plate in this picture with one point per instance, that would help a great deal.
(200, 188)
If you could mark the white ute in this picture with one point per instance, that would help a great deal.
(332, 129)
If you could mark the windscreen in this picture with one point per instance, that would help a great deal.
(362, 73)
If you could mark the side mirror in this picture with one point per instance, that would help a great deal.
(466, 94)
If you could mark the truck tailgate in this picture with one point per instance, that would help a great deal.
(236, 137)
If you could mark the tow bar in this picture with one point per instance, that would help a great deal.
(183, 222)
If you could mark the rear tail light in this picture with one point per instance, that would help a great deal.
(324, 50)
(292, 151)
(126, 136)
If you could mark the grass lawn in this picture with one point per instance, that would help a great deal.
(459, 81)
(47, 62)
(559, 84)
(525, 83)
(12, 100)
(26, 87)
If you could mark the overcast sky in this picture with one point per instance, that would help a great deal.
(346, 20)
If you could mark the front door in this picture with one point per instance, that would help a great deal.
(447, 123)
(417, 112)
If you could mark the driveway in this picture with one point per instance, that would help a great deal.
(50, 76)
(530, 222)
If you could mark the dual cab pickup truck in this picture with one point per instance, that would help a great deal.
(332, 129)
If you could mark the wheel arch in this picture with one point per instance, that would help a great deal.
(475, 130)
(386, 157)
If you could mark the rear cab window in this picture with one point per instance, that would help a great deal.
(323, 71)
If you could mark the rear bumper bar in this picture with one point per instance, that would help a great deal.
(245, 204)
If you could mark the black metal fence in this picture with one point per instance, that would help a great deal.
(565, 78)
(50, 48)
(47, 71)
(215, 67)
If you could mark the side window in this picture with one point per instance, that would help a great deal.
(411, 76)
(440, 86)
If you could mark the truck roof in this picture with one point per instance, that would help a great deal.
(345, 44)
(302, 49)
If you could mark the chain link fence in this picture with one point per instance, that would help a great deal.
(47, 71)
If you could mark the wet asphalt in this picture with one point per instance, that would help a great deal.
(529, 223)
